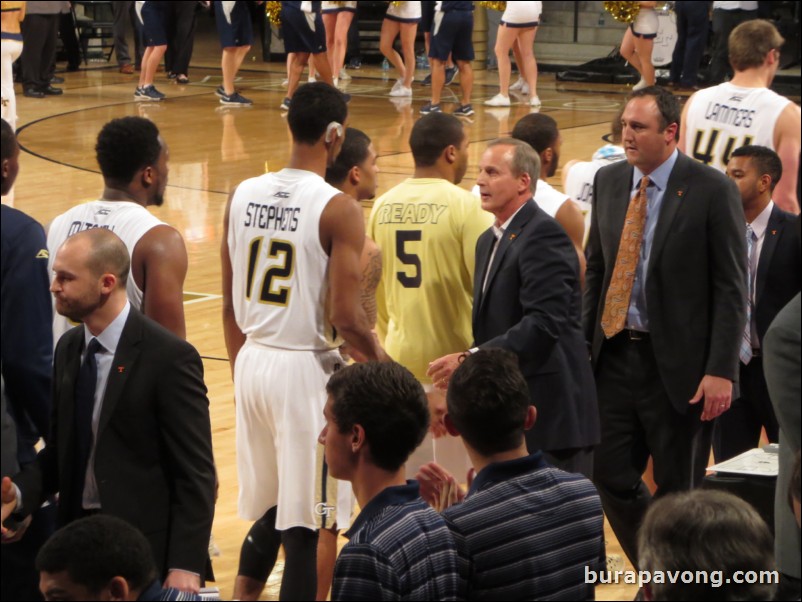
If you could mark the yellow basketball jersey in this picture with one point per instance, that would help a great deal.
(427, 230)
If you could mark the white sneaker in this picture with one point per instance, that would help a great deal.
(312, 79)
(396, 86)
(285, 83)
(336, 82)
(499, 100)
(518, 86)
(535, 101)
(640, 85)
(344, 74)
(401, 90)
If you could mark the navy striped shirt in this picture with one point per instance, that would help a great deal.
(399, 549)
(528, 531)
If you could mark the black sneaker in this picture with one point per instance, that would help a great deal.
(285, 104)
(427, 81)
(149, 93)
(430, 108)
(235, 100)
(346, 97)
(464, 111)
(450, 75)
(220, 92)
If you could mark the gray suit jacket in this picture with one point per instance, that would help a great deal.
(783, 365)
(695, 280)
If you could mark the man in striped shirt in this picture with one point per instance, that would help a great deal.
(530, 530)
(400, 548)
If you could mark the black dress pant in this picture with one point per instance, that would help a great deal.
(39, 36)
(724, 21)
(638, 420)
(182, 38)
(738, 429)
(692, 27)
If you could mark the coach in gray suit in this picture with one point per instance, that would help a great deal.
(782, 367)
(664, 312)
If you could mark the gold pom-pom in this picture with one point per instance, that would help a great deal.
(395, 4)
(625, 12)
(273, 12)
(499, 6)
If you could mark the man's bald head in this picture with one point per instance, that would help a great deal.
(104, 252)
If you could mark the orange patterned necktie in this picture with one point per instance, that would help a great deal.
(616, 303)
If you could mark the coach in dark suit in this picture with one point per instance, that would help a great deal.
(131, 432)
(527, 300)
(664, 312)
(775, 275)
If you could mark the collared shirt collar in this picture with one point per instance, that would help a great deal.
(502, 471)
(761, 222)
(499, 231)
(390, 496)
(110, 336)
(659, 177)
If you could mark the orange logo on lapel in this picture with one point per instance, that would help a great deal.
(680, 193)
(774, 232)
(512, 236)
(120, 369)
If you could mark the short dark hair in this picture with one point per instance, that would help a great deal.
(126, 145)
(708, 533)
(313, 107)
(390, 405)
(95, 549)
(488, 400)
(354, 151)
(667, 105)
(538, 130)
(432, 134)
(765, 160)
(8, 141)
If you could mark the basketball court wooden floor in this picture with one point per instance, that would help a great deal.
(212, 148)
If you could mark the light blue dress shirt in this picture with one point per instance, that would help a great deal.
(637, 315)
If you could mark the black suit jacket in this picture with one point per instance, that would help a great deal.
(779, 269)
(695, 280)
(153, 460)
(532, 307)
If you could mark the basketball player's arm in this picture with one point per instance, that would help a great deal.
(159, 265)
(371, 265)
(573, 222)
(342, 234)
(787, 143)
(234, 337)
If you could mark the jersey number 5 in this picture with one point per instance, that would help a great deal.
(272, 292)
(402, 237)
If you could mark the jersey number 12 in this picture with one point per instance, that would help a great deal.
(271, 291)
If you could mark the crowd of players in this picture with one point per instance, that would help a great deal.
(686, 282)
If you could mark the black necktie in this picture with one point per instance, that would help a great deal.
(84, 406)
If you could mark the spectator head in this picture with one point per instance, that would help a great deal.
(488, 402)
(377, 412)
(95, 558)
(708, 536)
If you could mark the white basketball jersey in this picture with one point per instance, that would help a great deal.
(725, 117)
(128, 220)
(579, 181)
(280, 269)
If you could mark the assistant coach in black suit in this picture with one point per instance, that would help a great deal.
(131, 432)
(664, 312)
(527, 300)
(774, 279)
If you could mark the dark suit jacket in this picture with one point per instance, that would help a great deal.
(153, 461)
(695, 280)
(532, 308)
(779, 269)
